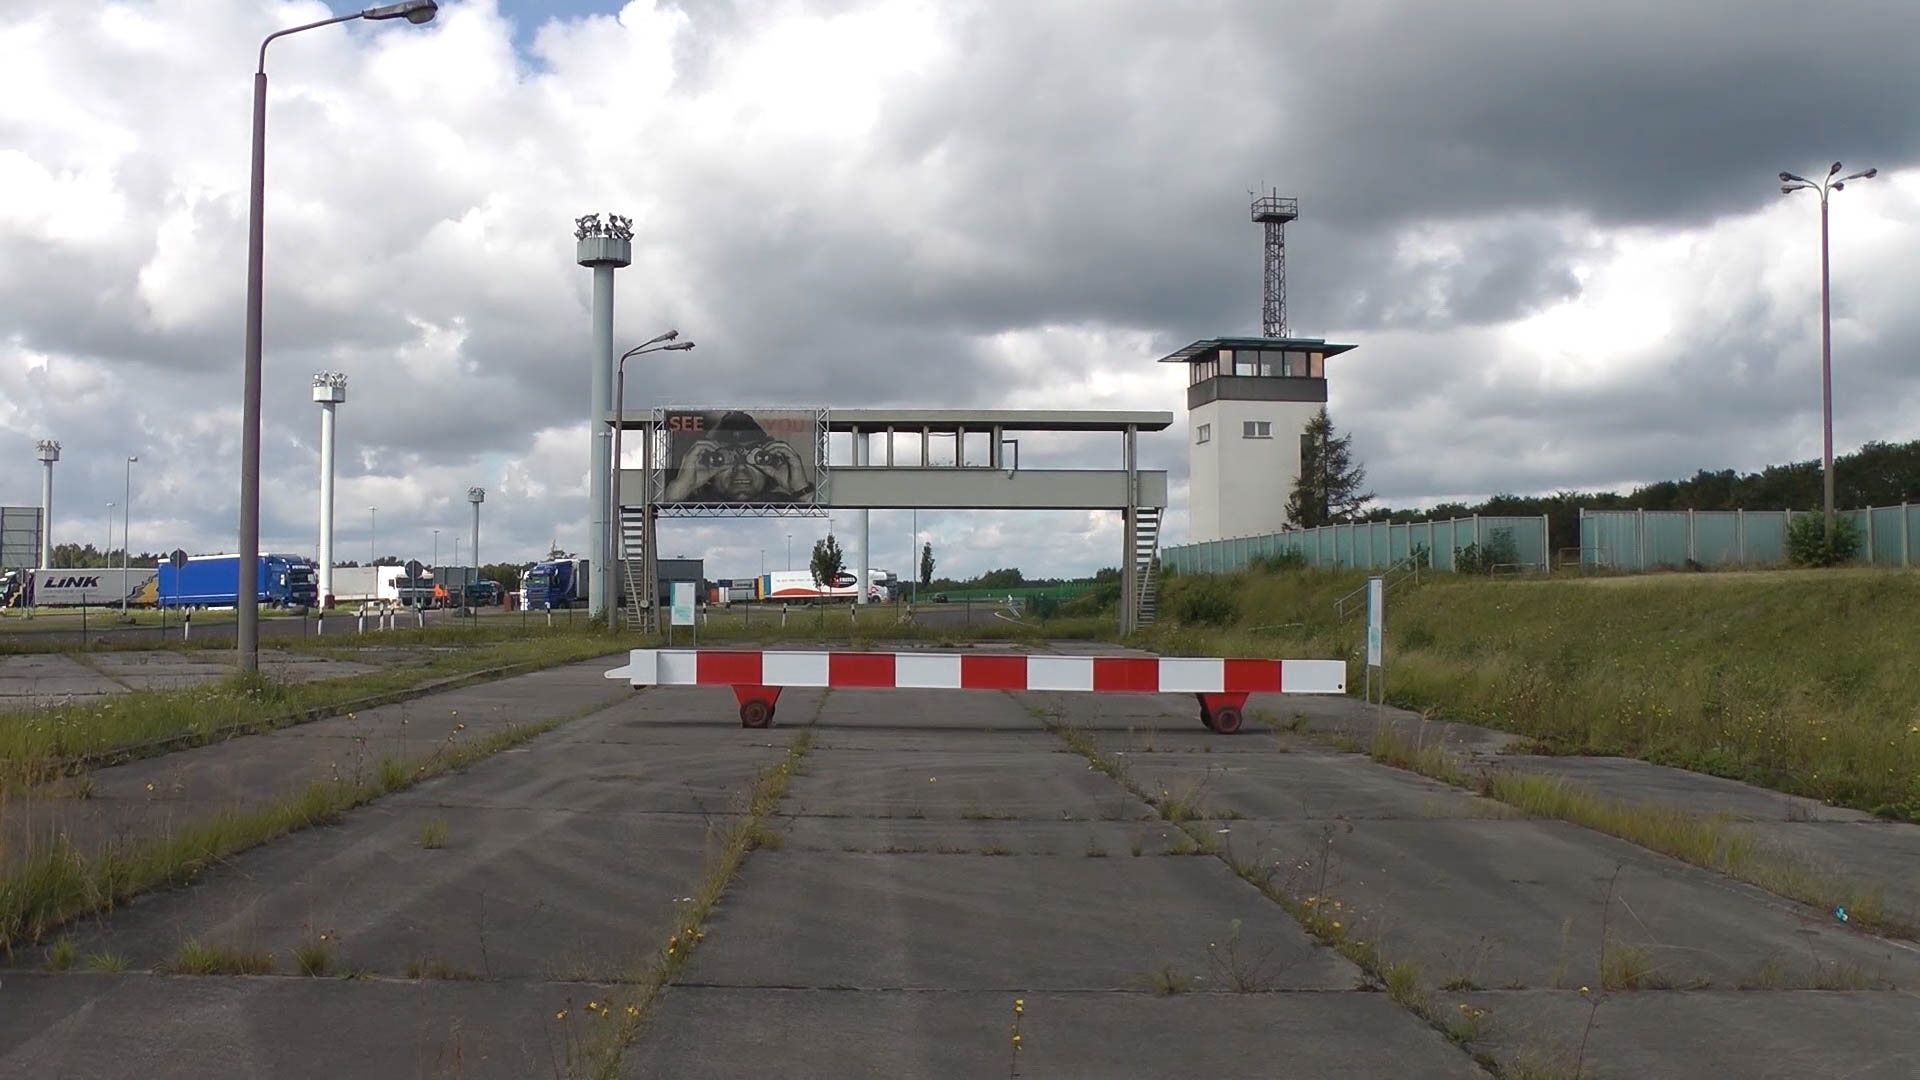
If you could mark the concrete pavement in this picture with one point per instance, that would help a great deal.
(939, 855)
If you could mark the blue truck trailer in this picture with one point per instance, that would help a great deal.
(213, 581)
(559, 583)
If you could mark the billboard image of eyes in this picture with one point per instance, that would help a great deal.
(766, 456)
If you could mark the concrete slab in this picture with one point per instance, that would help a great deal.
(704, 1032)
(46, 679)
(548, 869)
(513, 894)
(1640, 782)
(829, 919)
(1666, 1035)
(153, 797)
(1303, 785)
(1883, 854)
(1085, 839)
(1016, 783)
(189, 1027)
(1520, 903)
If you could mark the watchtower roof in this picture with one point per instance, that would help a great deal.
(1199, 350)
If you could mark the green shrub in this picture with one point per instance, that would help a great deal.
(1278, 561)
(1498, 551)
(1808, 544)
(1206, 599)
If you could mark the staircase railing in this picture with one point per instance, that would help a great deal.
(1407, 570)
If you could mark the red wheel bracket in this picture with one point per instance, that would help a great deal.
(757, 704)
(1222, 712)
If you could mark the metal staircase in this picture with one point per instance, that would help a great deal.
(1146, 557)
(633, 551)
(1405, 572)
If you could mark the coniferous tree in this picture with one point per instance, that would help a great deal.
(1328, 490)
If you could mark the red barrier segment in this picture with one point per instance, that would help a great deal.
(1221, 685)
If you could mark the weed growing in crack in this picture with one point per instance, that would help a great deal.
(194, 958)
(433, 833)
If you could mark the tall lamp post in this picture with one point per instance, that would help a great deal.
(373, 524)
(614, 525)
(1789, 183)
(126, 533)
(247, 629)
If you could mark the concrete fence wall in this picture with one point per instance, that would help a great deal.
(1370, 545)
(1655, 539)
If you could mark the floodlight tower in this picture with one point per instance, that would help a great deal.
(329, 390)
(48, 451)
(605, 247)
(476, 496)
(1274, 212)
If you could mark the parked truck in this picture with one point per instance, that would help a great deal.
(797, 586)
(80, 588)
(556, 583)
(213, 581)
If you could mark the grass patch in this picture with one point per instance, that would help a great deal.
(1709, 672)
(1165, 981)
(38, 745)
(48, 886)
(105, 962)
(1628, 967)
(62, 955)
(195, 958)
(1389, 748)
(1713, 842)
(433, 833)
(314, 955)
(437, 968)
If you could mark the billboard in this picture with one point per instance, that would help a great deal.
(19, 537)
(763, 457)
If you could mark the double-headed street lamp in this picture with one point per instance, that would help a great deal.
(247, 630)
(1789, 183)
(614, 545)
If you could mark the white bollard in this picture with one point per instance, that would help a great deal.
(361, 623)
(423, 619)
(320, 626)
(186, 627)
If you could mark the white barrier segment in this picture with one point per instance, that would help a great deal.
(1313, 676)
(913, 671)
(643, 668)
(676, 667)
(1060, 673)
(793, 669)
(1191, 675)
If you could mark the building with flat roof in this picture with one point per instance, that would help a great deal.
(1248, 404)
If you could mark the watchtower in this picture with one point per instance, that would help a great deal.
(1248, 403)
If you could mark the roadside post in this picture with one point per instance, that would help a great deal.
(1376, 638)
(682, 610)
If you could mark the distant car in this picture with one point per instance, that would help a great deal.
(939, 598)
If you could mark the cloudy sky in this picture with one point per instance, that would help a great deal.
(1553, 230)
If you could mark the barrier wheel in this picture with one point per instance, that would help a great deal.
(1206, 718)
(756, 714)
(1226, 720)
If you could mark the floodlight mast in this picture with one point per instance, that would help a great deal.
(247, 610)
(1790, 183)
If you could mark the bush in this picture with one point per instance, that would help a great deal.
(1500, 551)
(1202, 600)
(1099, 600)
(1808, 544)
(1279, 561)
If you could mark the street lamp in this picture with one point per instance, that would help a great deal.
(1789, 183)
(126, 534)
(614, 527)
(373, 521)
(436, 548)
(247, 629)
(789, 551)
(109, 547)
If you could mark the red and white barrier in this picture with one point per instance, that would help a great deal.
(1222, 685)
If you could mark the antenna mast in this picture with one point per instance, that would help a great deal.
(1274, 212)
